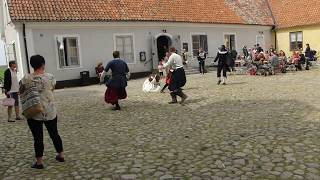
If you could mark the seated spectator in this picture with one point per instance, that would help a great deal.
(274, 61)
(267, 55)
(295, 57)
(261, 58)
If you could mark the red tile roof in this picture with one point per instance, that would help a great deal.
(292, 13)
(198, 11)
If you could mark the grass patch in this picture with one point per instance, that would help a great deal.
(2, 73)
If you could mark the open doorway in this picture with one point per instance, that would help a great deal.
(163, 44)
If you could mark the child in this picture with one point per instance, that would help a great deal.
(99, 69)
(152, 84)
(160, 68)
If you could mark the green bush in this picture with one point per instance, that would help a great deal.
(2, 73)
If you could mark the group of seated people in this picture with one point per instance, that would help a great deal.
(271, 61)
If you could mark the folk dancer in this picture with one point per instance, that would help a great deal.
(222, 64)
(116, 85)
(178, 77)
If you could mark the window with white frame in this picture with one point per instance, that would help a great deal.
(199, 41)
(11, 52)
(68, 51)
(230, 41)
(296, 41)
(124, 44)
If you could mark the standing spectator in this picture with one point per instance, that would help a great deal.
(201, 59)
(118, 82)
(232, 59)
(222, 64)
(259, 48)
(245, 52)
(308, 51)
(99, 69)
(178, 79)
(185, 57)
(308, 56)
(38, 87)
(11, 87)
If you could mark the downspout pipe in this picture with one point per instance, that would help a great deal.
(275, 36)
(274, 24)
(25, 45)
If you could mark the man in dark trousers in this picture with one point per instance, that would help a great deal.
(222, 56)
(178, 77)
(308, 55)
(11, 87)
(116, 85)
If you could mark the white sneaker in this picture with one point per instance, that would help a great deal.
(224, 81)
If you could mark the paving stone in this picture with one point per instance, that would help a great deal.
(128, 176)
(299, 172)
(249, 129)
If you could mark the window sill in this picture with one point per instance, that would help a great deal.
(69, 68)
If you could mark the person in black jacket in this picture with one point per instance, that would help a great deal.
(222, 64)
(11, 88)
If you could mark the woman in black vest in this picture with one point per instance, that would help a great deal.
(222, 56)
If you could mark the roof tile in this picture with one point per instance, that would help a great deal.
(292, 13)
(200, 11)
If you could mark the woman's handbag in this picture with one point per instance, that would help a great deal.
(32, 111)
(30, 100)
(8, 102)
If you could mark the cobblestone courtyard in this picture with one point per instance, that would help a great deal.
(253, 128)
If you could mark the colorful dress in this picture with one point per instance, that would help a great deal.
(116, 85)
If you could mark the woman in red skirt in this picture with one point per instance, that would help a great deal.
(168, 81)
(116, 85)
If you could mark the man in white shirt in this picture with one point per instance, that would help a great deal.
(178, 77)
(11, 86)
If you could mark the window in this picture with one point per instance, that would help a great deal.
(124, 44)
(199, 41)
(230, 41)
(296, 41)
(68, 52)
(11, 53)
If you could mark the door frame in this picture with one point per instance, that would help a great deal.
(155, 48)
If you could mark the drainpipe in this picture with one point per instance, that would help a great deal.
(274, 24)
(275, 36)
(25, 46)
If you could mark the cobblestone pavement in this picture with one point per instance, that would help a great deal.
(253, 128)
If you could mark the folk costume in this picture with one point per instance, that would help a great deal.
(222, 56)
(152, 84)
(178, 79)
(116, 85)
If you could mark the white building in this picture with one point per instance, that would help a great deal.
(76, 36)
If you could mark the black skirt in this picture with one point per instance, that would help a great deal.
(178, 79)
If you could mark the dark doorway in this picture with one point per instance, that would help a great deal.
(163, 44)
